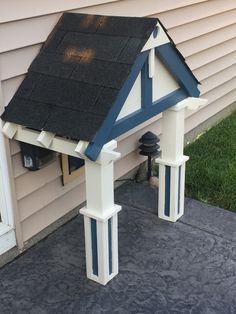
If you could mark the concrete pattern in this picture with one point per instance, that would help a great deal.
(185, 267)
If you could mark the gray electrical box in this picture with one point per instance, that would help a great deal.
(34, 157)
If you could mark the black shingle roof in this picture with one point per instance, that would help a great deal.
(73, 82)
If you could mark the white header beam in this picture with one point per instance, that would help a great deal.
(58, 144)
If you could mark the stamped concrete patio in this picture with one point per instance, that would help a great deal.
(186, 267)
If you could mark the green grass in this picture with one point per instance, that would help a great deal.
(211, 170)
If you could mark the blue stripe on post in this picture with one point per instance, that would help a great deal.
(94, 246)
(110, 244)
(179, 189)
(167, 190)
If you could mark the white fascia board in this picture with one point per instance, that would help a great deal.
(159, 40)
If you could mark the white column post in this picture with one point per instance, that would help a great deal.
(172, 161)
(171, 165)
(100, 219)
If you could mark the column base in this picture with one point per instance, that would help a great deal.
(171, 188)
(101, 245)
(100, 280)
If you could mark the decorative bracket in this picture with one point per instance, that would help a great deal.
(9, 129)
(190, 103)
(45, 138)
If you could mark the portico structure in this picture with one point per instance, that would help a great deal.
(96, 78)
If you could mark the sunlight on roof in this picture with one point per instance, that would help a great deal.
(84, 55)
(90, 20)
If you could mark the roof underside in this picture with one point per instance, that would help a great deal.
(71, 85)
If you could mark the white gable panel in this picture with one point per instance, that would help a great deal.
(156, 39)
(163, 83)
(133, 101)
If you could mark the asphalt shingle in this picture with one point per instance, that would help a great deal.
(91, 46)
(65, 93)
(101, 73)
(29, 113)
(75, 122)
(73, 82)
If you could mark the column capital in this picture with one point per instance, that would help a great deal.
(106, 155)
(172, 163)
(100, 216)
(190, 103)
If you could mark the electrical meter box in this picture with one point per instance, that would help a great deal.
(34, 157)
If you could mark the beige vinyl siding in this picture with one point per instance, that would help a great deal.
(204, 31)
(200, 27)
(194, 12)
(209, 55)
(216, 66)
(10, 11)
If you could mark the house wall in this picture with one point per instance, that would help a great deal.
(204, 32)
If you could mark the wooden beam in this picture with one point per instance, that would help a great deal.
(58, 144)
(66, 146)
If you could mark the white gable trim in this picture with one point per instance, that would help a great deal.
(159, 40)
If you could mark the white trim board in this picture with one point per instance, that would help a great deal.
(7, 232)
(7, 238)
